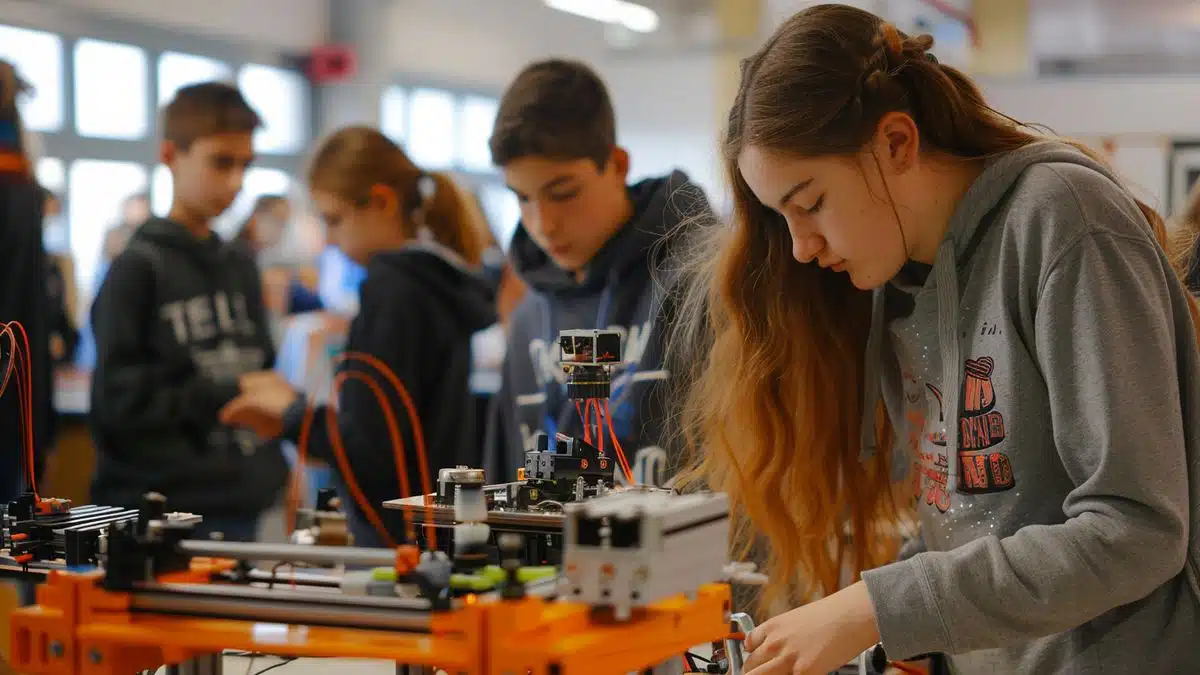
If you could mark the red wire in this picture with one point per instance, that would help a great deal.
(418, 437)
(905, 668)
(617, 446)
(24, 396)
(339, 453)
(599, 427)
(587, 419)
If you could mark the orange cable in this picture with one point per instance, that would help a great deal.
(617, 446)
(24, 397)
(339, 452)
(418, 438)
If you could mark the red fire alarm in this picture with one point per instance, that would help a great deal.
(332, 63)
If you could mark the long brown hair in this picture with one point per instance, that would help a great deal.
(354, 159)
(769, 352)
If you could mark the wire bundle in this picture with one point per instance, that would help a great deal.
(19, 364)
(603, 419)
(397, 441)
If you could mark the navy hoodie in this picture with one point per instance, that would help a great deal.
(177, 321)
(618, 292)
(419, 307)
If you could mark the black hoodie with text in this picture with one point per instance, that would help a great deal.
(619, 291)
(419, 307)
(177, 321)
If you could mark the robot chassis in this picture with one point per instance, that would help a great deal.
(620, 607)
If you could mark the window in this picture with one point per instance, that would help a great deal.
(477, 116)
(258, 182)
(110, 90)
(503, 212)
(38, 58)
(281, 98)
(162, 190)
(393, 114)
(432, 112)
(97, 192)
(51, 174)
(176, 71)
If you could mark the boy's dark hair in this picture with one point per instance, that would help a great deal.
(207, 109)
(557, 109)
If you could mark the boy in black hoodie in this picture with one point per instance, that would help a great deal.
(421, 302)
(178, 320)
(586, 247)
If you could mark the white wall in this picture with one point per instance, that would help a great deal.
(667, 116)
(1141, 116)
(483, 43)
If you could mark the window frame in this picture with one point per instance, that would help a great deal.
(470, 178)
(67, 145)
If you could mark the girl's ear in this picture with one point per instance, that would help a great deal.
(383, 198)
(897, 142)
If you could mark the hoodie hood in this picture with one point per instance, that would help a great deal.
(959, 245)
(657, 210)
(166, 233)
(445, 276)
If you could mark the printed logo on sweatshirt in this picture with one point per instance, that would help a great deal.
(215, 329)
(983, 468)
(980, 431)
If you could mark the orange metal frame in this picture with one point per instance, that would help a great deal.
(79, 628)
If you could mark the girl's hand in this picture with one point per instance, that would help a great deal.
(814, 639)
(260, 407)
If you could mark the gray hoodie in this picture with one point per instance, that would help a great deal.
(1061, 538)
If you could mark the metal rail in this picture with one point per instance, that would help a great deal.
(283, 606)
(317, 555)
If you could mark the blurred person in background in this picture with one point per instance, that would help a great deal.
(178, 320)
(422, 301)
(262, 237)
(62, 323)
(134, 211)
(22, 296)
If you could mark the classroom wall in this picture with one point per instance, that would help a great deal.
(1141, 117)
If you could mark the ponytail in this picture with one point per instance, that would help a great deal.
(451, 216)
(356, 158)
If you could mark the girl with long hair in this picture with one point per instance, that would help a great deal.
(923, 308)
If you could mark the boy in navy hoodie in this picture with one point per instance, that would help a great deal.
(178, 320)
(586, 247)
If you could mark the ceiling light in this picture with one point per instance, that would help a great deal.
(631, 15)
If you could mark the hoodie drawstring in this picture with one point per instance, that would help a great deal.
(945, 272)
(871, 377)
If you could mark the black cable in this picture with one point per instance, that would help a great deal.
(284, 662)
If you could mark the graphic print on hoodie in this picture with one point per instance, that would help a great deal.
(420, 305)
(177, 321)
(617, 293)
(1046, 378)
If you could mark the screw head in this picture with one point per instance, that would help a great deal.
(95, 656)
(57, 650)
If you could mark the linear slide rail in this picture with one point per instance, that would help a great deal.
(282, 606)
(317, 555)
